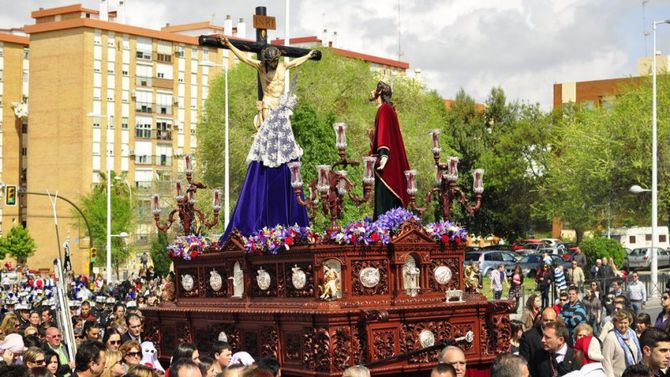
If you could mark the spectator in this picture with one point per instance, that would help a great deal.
(530, 311)
(113, 364)
(582, 330)
(573, 312)
(663, 318)
(498, 278)
(642, 322)
(443, 370)
(34, 357)
(92, 331)
(655, 350)
(544, 278)
(52, 363)
(530, 346)
(578, 277)
(516, 286)
(636, 293)
(562, 300)
(242, 358)
(90, 359)
(590, 349)
(509, 365)
(207, 368)
(560, 358)
(637, 371)
(595, 270)
(186, 351)
(271, 364)
(579, 257)
(135, 326)
(608, 323)
(356, 371)
(143, 371)
(233, 371)
(559, 279)
(112, 340)
(221, 353)
(131, 353)
(593, 307)
(85, 312)
(455, 357)
(54, 340)
(616, 289)
(621, 348)
(517, 332)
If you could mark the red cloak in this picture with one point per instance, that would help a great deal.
(387, 135)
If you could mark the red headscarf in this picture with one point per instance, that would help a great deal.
(591, 348)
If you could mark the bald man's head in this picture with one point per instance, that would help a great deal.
(455, 357)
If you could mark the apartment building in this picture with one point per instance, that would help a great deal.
(106, 96)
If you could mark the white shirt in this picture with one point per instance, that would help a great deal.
(560, 354)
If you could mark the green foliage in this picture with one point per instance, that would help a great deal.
(159, 256)
(600, 247)
(18, 243)
(94, 207)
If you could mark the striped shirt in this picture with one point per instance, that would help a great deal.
(559, 278)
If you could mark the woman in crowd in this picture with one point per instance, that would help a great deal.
(642, 322)
(517, 331)
(530, 311)
(10, 325)
(621, 348)
(35, 319)
(112, 339)
(594, 308)
(186, 351)
(132, 354)
(516, 286)
(34, 357)
(52, 364)
(544, 277)
(113, 364)
(582, 330)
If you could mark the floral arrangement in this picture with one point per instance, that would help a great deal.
(188, 247)
(447, 232)
(368, 232)
(274, 240)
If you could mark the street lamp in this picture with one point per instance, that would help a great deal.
(226, 195)
(636, 189)
(654, 169)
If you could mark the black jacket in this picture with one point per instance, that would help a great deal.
(530, 348)
(569, 364)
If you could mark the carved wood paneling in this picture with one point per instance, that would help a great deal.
(382, 288)
(271, 269)
(383, 343)
(308, 289)
(454, 265)
(206, 336)
(292, 347)
(269, 341)
(250, 342)
(207, 276)
(193, 272)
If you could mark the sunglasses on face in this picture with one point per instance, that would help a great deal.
(134, 354)
(40, 362)
(114, 342)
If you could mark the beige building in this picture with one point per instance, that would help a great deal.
(107, 95)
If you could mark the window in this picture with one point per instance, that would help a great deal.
(163, 130)
(124, 123)
(96, 124)
(164, 58)
(125, 73)
(631, 239)
(662, 238)
(143, 130)
(143, 55)
(179, 51)
(647, 237)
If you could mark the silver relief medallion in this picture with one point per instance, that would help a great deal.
(442, 274)
(187, 282)
(215, 281)
(426, 338)
(298, 278)
(263, 279)
(369, 277)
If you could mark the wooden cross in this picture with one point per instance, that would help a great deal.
(262, 23)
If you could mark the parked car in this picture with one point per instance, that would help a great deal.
(530, 264)
(640, 258)
(490, 259)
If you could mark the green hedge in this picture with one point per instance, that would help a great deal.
(600, 247)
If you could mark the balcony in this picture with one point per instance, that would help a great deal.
(163, 83)
(163, 58)
(164, 135)
(144, 107)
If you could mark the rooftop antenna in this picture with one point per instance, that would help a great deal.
(645, 33)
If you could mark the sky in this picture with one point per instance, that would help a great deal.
(523, 46)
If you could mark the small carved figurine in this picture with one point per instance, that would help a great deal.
(331, 284)
(471, 274)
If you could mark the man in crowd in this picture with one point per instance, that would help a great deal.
(509, 365)
(578, 277)
(616, 289)
(498, 277)
(85, 312)
(134, 323)
(54, 339)
(574, 312)
(443, 370)
(90, 359)
(530, 345)
(655, 346)
(637, 293)
(560, 358)
(356, 371)
(455, 357)
(579, 258)
(221, 353)
(595, 270)
(562, 300)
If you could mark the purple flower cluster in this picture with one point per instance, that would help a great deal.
(274, 240)
(369, 232)
(447, 232)
(187, 247)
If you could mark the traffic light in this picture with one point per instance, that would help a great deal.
(10, 195)
(94, 254)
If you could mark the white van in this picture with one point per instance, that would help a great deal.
(638, 236)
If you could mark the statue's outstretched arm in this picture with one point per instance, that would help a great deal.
(296, 62)
(241, 55)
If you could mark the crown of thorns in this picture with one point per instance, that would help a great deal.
(270, 53)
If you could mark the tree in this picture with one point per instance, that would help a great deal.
(94, 206)
(18, 243)
(159, 255)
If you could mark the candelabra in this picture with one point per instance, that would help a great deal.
(331, 186)
(445, 183)
(186, 204)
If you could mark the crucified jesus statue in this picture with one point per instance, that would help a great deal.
(271, 71)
